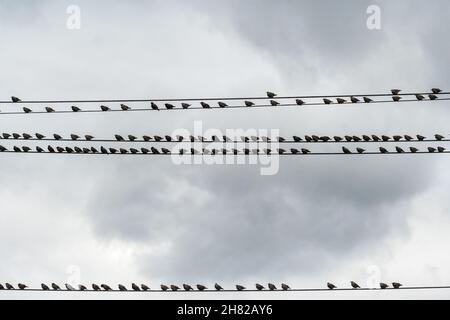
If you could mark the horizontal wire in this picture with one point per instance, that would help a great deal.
(232, 290)
(217, 108)
(220, 98)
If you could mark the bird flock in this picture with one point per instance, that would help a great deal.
(273, 101)
(183, 287)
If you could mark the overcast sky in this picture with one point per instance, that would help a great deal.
(146, 220)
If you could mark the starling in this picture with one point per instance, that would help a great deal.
(169, 106)
(39, 149)
(271, 95)
(88, 137)
(356, 138)
(222, 104)
(103, 150)
(366, 138)
(105, 287)
(385, 138)
(174, 288)
(399, 150)
(396, 285)
(154, 150)
(249, 103)
(240, 288)
(164, 287)
(436, 90)
(165, 150)
(439, 137)
(305, 151)
(315, 138)
(69, 287)
(3, 149)
(354, 285)
(185, 105)
(131, 137)
(22, 286)
(57, 136)
(86, 150)
(201, 287)
(119, 137)
(187, 287)
(124, 107)
(441, 149)
(285, 287)
(145, 287)
(123, 151)
(259, 287)
(60, 149)
(345, 150)
(354, 99)
(27, 110)
(272, 287)
(74, 137)
(375, 138)
(50, 149)
(44, 287)
(82, 288)
(299, 102)
(17, 149)
(158, 138)
(205, 105)
(383, 285)
(15, 99)
(420, 138)
(331, 286)
(297, 139)
(431, 149)
(26, 149)
(360, 150)
(396, 98)
(327, 101)
(112, 150)
(122, 287)
(325, 138)
(337, 138)
(133, 150)
(26, 136)
(154, 106)
(55, 287)
(48, 109)
(419, 97)
(408, 138)
(145, 150)
(75, 109)
(413, 150)
(135, 287)
(383, 150)
(218, 287)
(340, 100)
(95, 287)
(274, 103)
(104, 108)
(432, 96)
(348, 138)
(367, 100)
(397, 138)
(146, 138)
(395, 91)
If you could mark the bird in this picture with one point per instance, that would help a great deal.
(395, 91)
(88, 137)
(399, 150)
(74, 137)
(367, 100)
(341, 101)
(26, 149)
(441, 149)
(164, 287)
(169, 106)
(218, 287)
(439, 137)
(124, 107)
(145, 287)
(407, 137)
(104, 108)
(337, 138)
(157, 138)
(105, 287)
(354, 285)
(122, 287)
(95, 287)
(396, 285)
(348, 138)
(274, 103)
(356, 138)
(249, 103)
(60, 149)
(16, 136)
(299, 102)
(325, 138)
(154, 106)
(174, 287)
(433, 96)
(305, 151)
(413, 150)
(375, 138)
(187, 287)
(17, 149)
(82, 288)
(50, 149)
(131, 137)
(271, 286)
(383, 150)
(55, 286)
(331, 286)
(119, 137)
(205, 105)
(22, 286)
(185, 105)
(103, 150)
(69, 287)
(383, 285)
(146, 138)
(431, 149)
(135, 287)
(15, 99)
(39, 149)
(346, 150)
(366, 138)
(154, 150)
(57, 136)
(123, 151)
(271, 95)
(3, 149)
(222, 104)
(420, 138)
(396, 98)
(315, 138)
(165, 150)
(145, 150)
(354, 99)
(2, 287)
(27, 110)
(240, 288)
(297, 139)
(327, 101)
(113, 150)
(436, 90)
(86, 150)
(259, 287)
(26, 136)
(44, 287)
(39, 136)
(360, 150)
(75, 109)
(133, 150)
(385, 138)
(285, 287)
(420, 97)
(397, 138)
(48, 109)
(201, 287)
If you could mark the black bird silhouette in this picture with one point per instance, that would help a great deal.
(147, 138)
(249, 103)
(123, 151)
(135, 287)
(15, 99)
(164, 287)
(413, 150)
(95, 287)
(360, 150)
(433, 96)
(44, 287)
(431, 149)
(331, 286)
(82, 287)
(205, 105)
(201, 287)
(27, 110)
(356, 138)
(337, 138)
(187, 287)
(354, 285)
(88, 137)
(73, 137)
(297, 139)
(271, 286)
(395, 91)
(354, 99)
(133, 150)
(239, 287)
(122, 287)
(419, 97)
(174, 287)
(26, 149)
(50, 149)
(131, 137)
(39, 149)
(341, 101)
(154, 106)
(436, 90)
(274, 103)
(145, 150)
(26, 136)
(222, 104)
(367, 100)
(119, 137)
(3, 149)
(60, 149)
(154, 150)
(69, 150)
(299, 102)
(185, 105)
(169, 106)
(383, 150)
(375, 138)
(218, 287)
(408, 138)
(259, 287)
(399, 150)
(55, 286)
(396, 98)
(40, 136)
(158, 138)
(305, 151)
(124, 107)
(69, 287)
(420, 138)
(285, 287)
(271, 95)
(383, 285)
(439, 137)
(75, 109)
(103, 150)
(366, 138)
(106, 287)
(145, 287)
(441, 149)
(397, 138)
(48, 109)
(57, 136)
(112, 150)
(294, 151)
(105, 108)
(385, 138)
(17, 149)
(22, 286)
(345, 150)
(348, 138)
(327, 101)
(396, 285)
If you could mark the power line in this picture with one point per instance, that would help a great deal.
(218, 108)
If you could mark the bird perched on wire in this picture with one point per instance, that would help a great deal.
(271, 286)
(396, 285)
(96, 287)
(45, 287)
(185, 105)
(249, 103)
(122, 287)
(145, 287)
(271, 95)
(337, 138)
(436, 90)
(218, 287)
(441, 149)
(420, 138)
(3, 149)
(399, 150)
(331, 286)
(27, 110)
(22, 286)
(119, 137)
(396, 98)
(354, 285)
(174, 287)
(154, 106)
(360, 150)
(164, 287)
(240, 288)
(431, 149)
(299, 102)
(15, 99)
(259, 287)
(48, 109)
(187, 287)
(354, 99)
(82, 288)
(383, 285)
(327, 101)
(395, 91)
(274, 103)
(39, 149)
(201, 287)
(420, 97)
(131, 137)
(432, 96)
(285, 287)
(348, 138)
(222, 104)
(75, 108)
(385, 138)
(169, 106)
(124, 107)
(305, 151)
(367, 99)
(383, 150)
(439, 137)
(69, 287)
(341, 101)
(135, 287)
(26, 149)
(73, 137)
(413, 150)
(104, 108)
(346, 150)
(205, 105)
(88, 137)
(55, 286)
